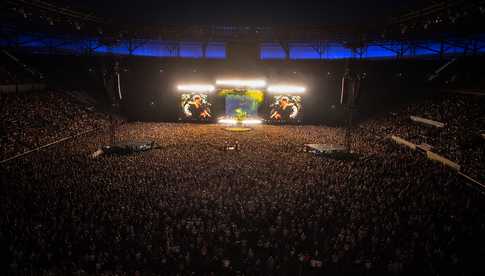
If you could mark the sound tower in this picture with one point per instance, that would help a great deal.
(350, 89)
(345, 88)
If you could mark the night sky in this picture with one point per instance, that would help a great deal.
(246, 12)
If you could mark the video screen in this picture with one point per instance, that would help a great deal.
(196, 107)
(245, 102)
(285, 108)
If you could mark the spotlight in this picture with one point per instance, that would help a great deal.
(196, 88)
(242, 83)
(286, 89)
(227, 121)
(252, 122)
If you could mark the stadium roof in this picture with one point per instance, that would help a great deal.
(352, 23)
(248, 12)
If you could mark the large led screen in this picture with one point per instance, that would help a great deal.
(196, 107)
(285, 108)
(245, 102)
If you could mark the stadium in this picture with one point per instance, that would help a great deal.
(190, 138)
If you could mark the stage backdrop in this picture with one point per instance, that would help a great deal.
(242, 101)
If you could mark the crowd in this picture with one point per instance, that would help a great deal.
(459, 140)
(33, 119)
(191, 208)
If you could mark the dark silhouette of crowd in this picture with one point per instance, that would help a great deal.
(459, 140)
(33, 119)
(192, 208)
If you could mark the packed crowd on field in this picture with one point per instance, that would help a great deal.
(460, 140)
(192, 208)
(33, 119)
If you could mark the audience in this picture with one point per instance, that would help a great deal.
(459, 140)
(29, 120)
(191, 208)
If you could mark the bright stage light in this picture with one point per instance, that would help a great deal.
(196, 88)
(281, 89)
(227, 121)
(244, 122)
(252, 122)
(242, 83)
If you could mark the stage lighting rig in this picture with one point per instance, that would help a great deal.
(257, 83)
(196, 88)
(282, 89)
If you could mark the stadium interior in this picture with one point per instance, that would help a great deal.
(329, 143)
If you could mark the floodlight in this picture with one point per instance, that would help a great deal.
(282, 89)
(242, 83)
(196, 88)
(227, 121)
(252, 122)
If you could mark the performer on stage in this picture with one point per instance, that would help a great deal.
(284, 110)
(197, 109)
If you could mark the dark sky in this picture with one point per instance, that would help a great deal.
(246, 12)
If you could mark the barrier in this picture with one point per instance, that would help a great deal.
(427, 121)
(436, 157)
(403, 142)
(48, 145)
